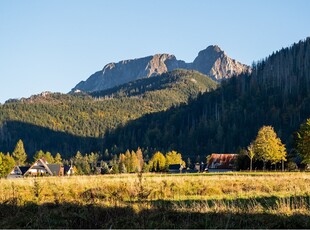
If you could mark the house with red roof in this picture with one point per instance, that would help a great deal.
(223, 162)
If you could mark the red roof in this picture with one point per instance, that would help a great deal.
(221, 161)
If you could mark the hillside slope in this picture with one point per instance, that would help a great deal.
(82, 116)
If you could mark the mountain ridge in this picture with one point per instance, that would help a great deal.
(211, 61)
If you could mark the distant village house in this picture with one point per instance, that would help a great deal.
(41, 168)
(221, 162)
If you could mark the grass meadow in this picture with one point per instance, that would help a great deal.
(209, 200)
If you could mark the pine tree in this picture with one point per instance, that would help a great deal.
(58, 159)
(19, 153)
(303, 141)
(39, 154)
(49, 158)
(92, 159)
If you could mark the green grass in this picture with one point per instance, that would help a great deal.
(226, 200)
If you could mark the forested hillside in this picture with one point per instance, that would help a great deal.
(66, 123)
(169, 112)
(277, 93)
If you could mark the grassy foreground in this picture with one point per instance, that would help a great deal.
(237, 200)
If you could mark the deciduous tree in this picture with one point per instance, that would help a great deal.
(250, 153)
(140, 159)
(268, 147)
(157, 162)
(173, 157)
(7, 163)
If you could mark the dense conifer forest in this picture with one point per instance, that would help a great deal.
(69, 123)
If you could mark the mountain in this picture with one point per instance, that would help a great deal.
(276, 93)
(66, 123)
(215, 63)
(212, 61)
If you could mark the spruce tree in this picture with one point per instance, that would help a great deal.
(303, 141)
(58, 159)
(39, 154)
(19, 153)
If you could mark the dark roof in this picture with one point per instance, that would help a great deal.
(55, 168)
(66, 168)
(175, 167)
(23, 169)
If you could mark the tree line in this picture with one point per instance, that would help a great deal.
(267, 148)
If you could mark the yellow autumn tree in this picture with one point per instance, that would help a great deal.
(268, 147)
(140, 159)
(174, 157)
(157, 162)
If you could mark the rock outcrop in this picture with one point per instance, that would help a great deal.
(215, 63)
(212, 61)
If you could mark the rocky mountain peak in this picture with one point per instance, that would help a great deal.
(215, 63)
(212, 49)
(211, 61)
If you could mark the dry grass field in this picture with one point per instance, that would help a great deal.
(228, 200)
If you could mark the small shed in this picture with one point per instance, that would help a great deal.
(175, 168)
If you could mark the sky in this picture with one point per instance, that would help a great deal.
(51, 45)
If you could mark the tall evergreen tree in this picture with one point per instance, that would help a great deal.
(303, 141)
(58, 159)
(39, 154)
(49, 158)
(19, 153)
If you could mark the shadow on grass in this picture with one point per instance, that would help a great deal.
(158, 215)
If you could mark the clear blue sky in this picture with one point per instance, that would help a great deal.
(51, 45)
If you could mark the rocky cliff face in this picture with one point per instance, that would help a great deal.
(215, 63)
(211, 61)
